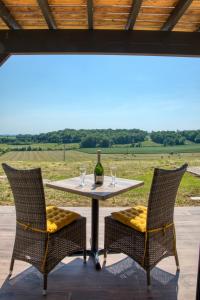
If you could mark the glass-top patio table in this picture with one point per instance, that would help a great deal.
(96, 193)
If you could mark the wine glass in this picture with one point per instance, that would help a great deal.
(113, 170)
(82, 175)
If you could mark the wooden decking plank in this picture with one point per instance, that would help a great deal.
(122, 278)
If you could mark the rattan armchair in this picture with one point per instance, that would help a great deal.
(33, 243)
(159, 239)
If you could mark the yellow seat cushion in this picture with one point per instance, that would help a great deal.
(134, 217)
(57, 218)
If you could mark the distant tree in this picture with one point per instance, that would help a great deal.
(138, 145)
(180, 140)
(88, 142)
(197, 139)
(190, 135)
(168, 138)
(22, 149)
(104, 142)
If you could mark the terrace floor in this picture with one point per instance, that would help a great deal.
(121, 278)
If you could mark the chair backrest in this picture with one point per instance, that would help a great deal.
(28, 192)
(162, 196)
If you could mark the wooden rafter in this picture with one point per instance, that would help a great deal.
(7, 17)
(104, 14)
(133, 14)
(74, 41)
(90, 14)
(177, 13)
(46, 11)
(3, 58)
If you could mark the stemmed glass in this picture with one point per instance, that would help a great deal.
(113, 170)
(82, 175)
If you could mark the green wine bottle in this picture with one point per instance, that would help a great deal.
(98, 170)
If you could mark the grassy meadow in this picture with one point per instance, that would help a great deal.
(132, 166)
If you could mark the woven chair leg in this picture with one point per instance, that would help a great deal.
(84, 256)
(11, 266)
(44, 284)
(148, 278)
(177, 261)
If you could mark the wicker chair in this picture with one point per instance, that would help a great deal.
(159, 239)
(33, 243)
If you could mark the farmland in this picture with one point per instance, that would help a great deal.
(147, 147)
(33, 156)
(39, 146)
(190, 148)
(137, 166)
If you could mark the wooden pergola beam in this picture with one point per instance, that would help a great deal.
(90, 14)
(3, 58)
(177, 13)
(7, 17)
(133, 14)
(46, 11)
(67, 41)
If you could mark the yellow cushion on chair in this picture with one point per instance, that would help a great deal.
(57, 218)
(134, 217)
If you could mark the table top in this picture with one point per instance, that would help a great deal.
(194, 170)
(103, 192)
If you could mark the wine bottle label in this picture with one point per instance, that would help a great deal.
(98, 179)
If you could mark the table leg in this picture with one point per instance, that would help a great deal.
(95, 233)
(94, 252)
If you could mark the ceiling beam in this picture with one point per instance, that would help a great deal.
(90, 14)
(74, 41)
(46, 11)
(3, 58)
(176, 14)
(7, 17)
(133, 14)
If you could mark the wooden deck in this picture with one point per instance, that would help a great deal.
(121, 278)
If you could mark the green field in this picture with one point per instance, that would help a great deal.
(148, 147)
(150, 143)
(192, 148)
(42, 146)
(138, 166)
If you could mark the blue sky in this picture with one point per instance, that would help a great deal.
(46, 93)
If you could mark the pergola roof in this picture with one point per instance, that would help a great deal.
(147, 20)
(104, 14)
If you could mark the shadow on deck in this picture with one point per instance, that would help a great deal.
(73, 281)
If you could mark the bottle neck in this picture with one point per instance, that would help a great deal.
(99, 158)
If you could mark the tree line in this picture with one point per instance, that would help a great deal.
(171, 138)
(104, 137)
(85, 137)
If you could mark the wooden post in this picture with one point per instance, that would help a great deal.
(64, 152)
